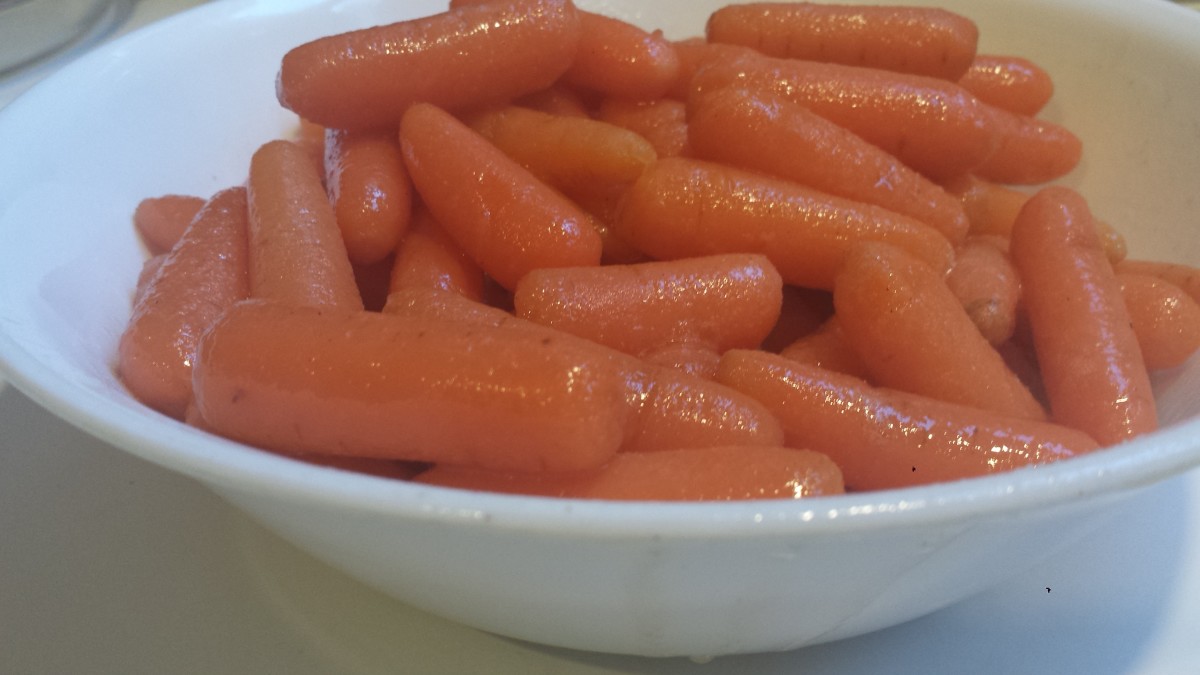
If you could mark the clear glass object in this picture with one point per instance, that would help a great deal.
(33, 31)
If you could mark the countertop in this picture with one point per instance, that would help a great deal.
(109, 564)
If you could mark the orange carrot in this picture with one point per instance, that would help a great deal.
(296, 250)
(661, 121)
(692, 474)
(1092, 367)
(464, 58)
(883, 438)
(1013, 83)
(912, 334)
(556, 100)
(1184, 276)
(718, 301)
(190, 288)
(160, 221)
(1165, 319)
(987, 286)
(310, 136)
(310, 379)
(932, 125)
(804, 310)
(693, 53)
(685, 208)
(370, 190)
(146, 275)
(688, 357)
(507, 220)
(429, 258)
(573, 154)
(669, 408)
(827, 348)
(919, 40)
(765, 132)
(1029, 150)
(616, 58)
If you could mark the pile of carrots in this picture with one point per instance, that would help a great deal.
(521, 247)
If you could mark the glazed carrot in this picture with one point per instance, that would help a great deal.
(616, 58)
(464, 58)
(1029, 151)
(827, 348)
(1010, 82)
(556, 100)
(370, 190)
(1183, 276)
(146, 275)
(573, 154)
(1094, 373)
(507, 220)
(932, 125)
(310, 136)
(160, 221)
(685, 208)
(719, 301)
(804, 310)
(429, 258)
(765, 132)
(322, 380)
(662, 122)
(883, 438)
(669, 408)
(688, 357)
(986, 285)
(1165, 319)
(699, 474)
(189, 289)
(912, 334)
(693, 53)
(296, 251)
(919, 40)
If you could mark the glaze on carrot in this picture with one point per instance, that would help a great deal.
(296, 250)
(684, 208)
(662, 122)
(190, 287)
(986, 285)
(468, 57)
(826, 347)
(1029, 150)
(1093, 370)
(1010, 82)
(692, 474)
(912, 334)
(370, 190)
(1184, 276)
(919, 40)
(429, 258)
(765, 132)
(1165, 319)
(617, 58)
(160, 221)
(507, 220)
(321, 380)
(883, 438)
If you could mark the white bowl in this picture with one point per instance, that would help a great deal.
(180, 106)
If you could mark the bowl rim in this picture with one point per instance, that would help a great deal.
(229, 466)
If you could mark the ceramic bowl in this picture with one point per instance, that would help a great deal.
(180, 107)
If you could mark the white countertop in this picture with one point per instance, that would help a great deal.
(109, 564)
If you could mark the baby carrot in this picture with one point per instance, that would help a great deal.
(556, 100)
(986, 285)
(1165, 319)
(694, 52)
(688, 357)
(912, 334)
(1092, 368)
(1029, 150)
(662, 122)
(720, 301)
(919, 40)
(322, 380)
(684, 208)
(883, 438)
(370, 190)
(573, 154)
(1013, 83)
(1184, 276)
(826, 347)
(464, 58)
(616, 58)
(296, 251)
(507, 220)
(932, 125)
(160, 221)
(765, 132)
(429, 258)
(190, 287)
(691, 474)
